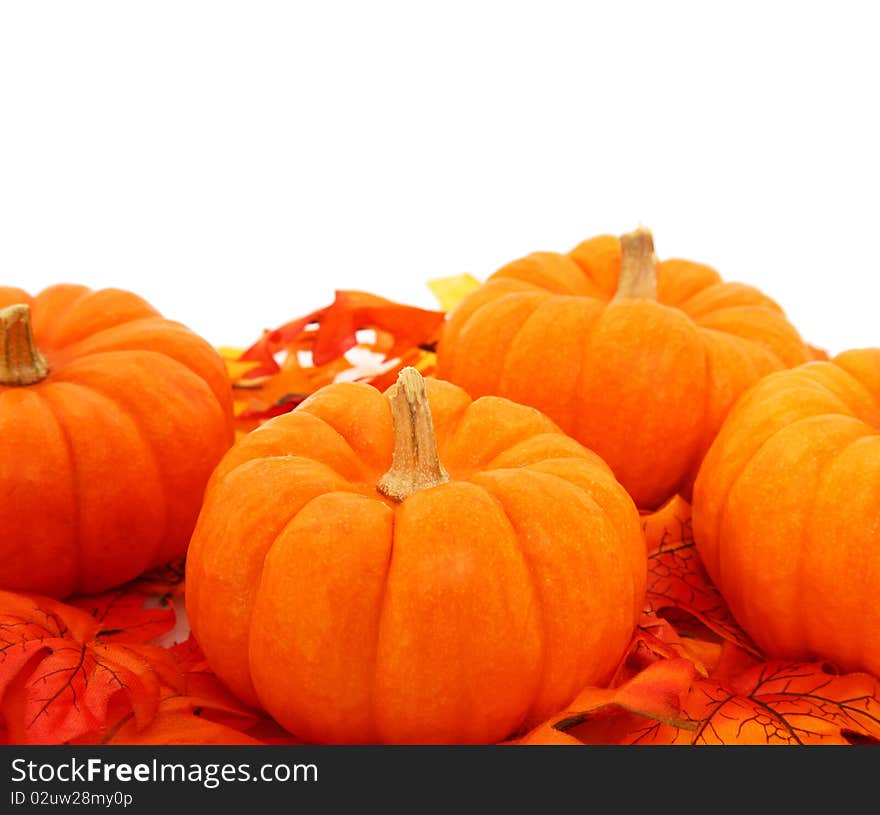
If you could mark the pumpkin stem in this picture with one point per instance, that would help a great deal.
(415, 465)
(638, 266)
(21, 362)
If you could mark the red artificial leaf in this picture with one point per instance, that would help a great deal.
(30, 626)
(353, 311)
(334, 330)
(59, 681)
(264, 350)
(126, 615)
(202, 711)
(189, 656)
(289, 363)
(70, 693)
(177, 722)
(140, 611)
(677, 581)
(203, 687)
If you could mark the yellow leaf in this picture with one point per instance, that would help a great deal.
(450, 291)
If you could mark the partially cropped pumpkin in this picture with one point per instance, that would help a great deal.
(112, 419)
(413, 567)
(637, 359)
(786, 511)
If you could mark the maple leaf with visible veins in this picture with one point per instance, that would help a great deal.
(202, 711)
(765, 702)
(652, 699)
(783, 702)
(59, 680)
(678, 586)
(127, 614)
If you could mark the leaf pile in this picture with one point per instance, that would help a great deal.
(360, 336)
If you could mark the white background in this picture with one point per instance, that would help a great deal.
(234, 163)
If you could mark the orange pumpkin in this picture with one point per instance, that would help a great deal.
(111, 421)
(360, 591)
(786, 511)
(638, 360)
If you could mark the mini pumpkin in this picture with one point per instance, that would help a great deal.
(412, 566)
(786, 511)
(637, 359)
(112, 419)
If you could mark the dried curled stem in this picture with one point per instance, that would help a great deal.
(638, 266)
(21, 362)
(415, 463)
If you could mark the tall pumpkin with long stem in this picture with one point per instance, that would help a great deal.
(413, 567)
(111, 421)
(638, 359)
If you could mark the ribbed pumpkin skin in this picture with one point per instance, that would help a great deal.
(643, 383)
(103, 463)
(461, 614)
(786, 511)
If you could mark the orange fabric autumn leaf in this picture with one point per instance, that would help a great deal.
(778, 702)
(657, 638)
(772, 702)
(651, 700)
(678, 586)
